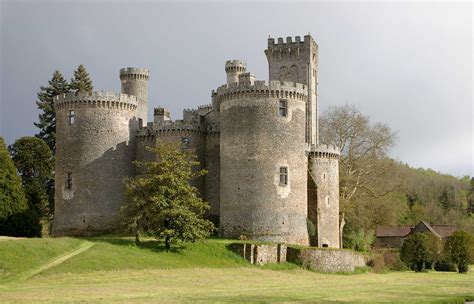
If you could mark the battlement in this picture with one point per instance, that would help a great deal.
(324, 151)
(307, 41)
(134, 73)
(259, 89)
(235, 66)
(96, 99)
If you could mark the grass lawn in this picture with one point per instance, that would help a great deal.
(114, 269)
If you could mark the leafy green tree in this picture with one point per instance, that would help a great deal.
(12, 197)
(459, 248)
(81, 81)
(34, 162)
(415, 251)
(360, 240)
(16, 217)
(47, 117)
(162, 202)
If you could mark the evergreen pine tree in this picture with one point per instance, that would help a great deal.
(47, 117)
(81, 81)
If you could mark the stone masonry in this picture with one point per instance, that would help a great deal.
(259, 141)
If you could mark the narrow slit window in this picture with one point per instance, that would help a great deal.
(71, 117)
(283, 108)
(283, 176)
(69, 181)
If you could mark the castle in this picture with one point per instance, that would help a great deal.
(268, 172)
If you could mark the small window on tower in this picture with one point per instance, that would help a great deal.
(283, 108)
(283, 176)
(71, 117)
(69, 181)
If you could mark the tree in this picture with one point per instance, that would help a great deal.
(361, 143)
(459, 249)
(12, 197)
(34, 162)
(47, 117)
(162, 201)
(16, 218)
(81, 81)
(360, 240)
(415, 251)
(470, 199)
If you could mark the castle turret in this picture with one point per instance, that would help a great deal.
(234, 68)
(135, 82)
(297, 61)
(323, 194)
(94, 151)
(263, 171)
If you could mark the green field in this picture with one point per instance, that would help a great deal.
(114, 269)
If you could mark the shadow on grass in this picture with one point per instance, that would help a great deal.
(151, 245)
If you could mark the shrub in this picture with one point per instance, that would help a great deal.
(24, 224)
(415, 252)
(444, 265)
(377, 263)
(392, 260)
(459, 249)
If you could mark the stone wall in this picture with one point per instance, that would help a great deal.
(261, 254)
(315, 259)
(325, 260)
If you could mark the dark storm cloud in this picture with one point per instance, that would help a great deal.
(408, 65)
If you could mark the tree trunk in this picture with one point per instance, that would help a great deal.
(167, 243)
(137, 237)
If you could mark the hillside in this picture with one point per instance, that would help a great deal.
(113, 269)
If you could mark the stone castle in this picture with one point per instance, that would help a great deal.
(268, 172)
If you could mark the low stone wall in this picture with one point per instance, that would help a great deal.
(317, 259)
(261, 254)
(325, 260)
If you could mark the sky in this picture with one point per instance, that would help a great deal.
(406, 64)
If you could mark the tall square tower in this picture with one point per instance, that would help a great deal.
(297, 61)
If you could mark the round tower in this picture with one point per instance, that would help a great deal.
(323, 194)
(94, 152)
(263, 162)
(233, 69)
(134, 81)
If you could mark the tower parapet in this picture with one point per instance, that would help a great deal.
(234, 68)
(134, 81)
(325, 151)
(96, 99)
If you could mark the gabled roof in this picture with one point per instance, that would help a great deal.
(444, 230)
(428, 226)
(441, 231)
(393, 231)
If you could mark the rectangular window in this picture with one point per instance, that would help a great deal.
(71, 117)
(283, 176)
(69, 181)
(283, 108)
